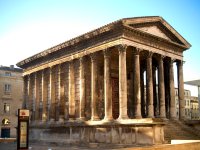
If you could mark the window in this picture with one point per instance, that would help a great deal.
(7, 88)
(7, 73)
(6, 108)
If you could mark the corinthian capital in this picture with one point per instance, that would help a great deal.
(121, 47)
(179, 62)
(149, 54)
(171, 61)
(136, 51)
(93, 57)
(106, 53)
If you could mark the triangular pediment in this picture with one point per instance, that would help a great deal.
(156, 26)
(154, 30)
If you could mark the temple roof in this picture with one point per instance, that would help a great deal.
(154, 26)
(147, 22)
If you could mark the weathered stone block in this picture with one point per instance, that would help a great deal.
(115, 135)
(145, 135)
(100, 135)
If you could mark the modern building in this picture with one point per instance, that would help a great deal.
(90, 87)
(197, 84)
(194, 108)
(191, 105)
(11, 96)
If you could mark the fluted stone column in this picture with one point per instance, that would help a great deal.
(25, 90)
(155, 94)
(181, 90)
(34, 97)
(41, 96)
(149, 87)
(136, 83)
(122, 82)
(49, 94)
(143, 102)
(107, 86)
(94, 96)
(58, 95)
(172, 91)
(82, 89)
(28, 93)
(161, 87)
(52, 89)
(66, 91)
(45, 94)
(71, 91)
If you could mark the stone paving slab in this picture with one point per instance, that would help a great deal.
(39, 146)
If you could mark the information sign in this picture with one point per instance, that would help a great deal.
(23, 129)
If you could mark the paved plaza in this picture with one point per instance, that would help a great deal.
(38, 146)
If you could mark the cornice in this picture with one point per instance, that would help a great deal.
(153, 39)
(72, 42)
(92, 40)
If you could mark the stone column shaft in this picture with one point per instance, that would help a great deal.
(161, 88)
(34, 97)
(82, 89)
(49, 94)
(71, 91)
(41, 95)
(107, 86)
(172, 91)
(149, 87)
(181, 90)
(52, 94)
(137, 86)
(94, 96)
(155, 94)
(143, 102)
(122, 83)
(28, 93)
(58, 93)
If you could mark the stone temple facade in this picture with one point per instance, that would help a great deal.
(101, 86)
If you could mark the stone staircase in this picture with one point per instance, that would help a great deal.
(177, 130)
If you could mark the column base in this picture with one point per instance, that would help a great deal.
(122, 118)
(81, 119)
(174, 118)
(95, 118)
(108, 119)
(150, 116)
(137, 117)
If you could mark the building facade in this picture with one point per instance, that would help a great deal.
(11, 96)
(97, 80)
(191, 105)
(197, 84)
(194, 108)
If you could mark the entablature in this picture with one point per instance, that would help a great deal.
(90, 50)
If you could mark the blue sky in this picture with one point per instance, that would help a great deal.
(30, 26)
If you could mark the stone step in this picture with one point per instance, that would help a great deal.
(179, 130)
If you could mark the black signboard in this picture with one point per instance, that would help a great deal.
(23, 129)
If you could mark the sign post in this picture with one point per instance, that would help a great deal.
(23, 129)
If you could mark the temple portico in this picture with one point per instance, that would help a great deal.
(51, 93)
(121, 74)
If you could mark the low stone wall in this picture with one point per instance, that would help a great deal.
(87, 132)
